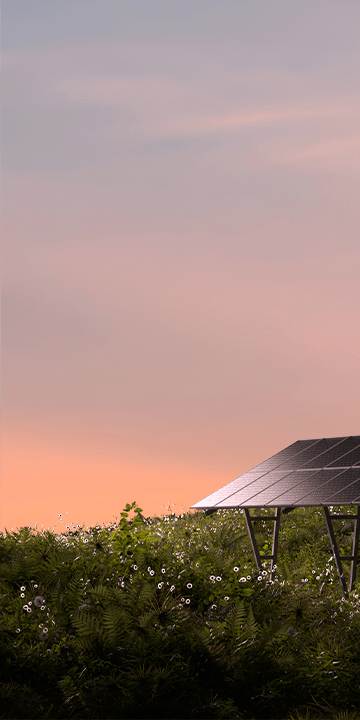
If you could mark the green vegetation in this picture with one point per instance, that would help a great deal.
(167, 617)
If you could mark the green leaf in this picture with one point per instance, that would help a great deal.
(116, 621)
(146, 594)
(238, 617)
(86, 625)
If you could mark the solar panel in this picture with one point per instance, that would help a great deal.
(324, 471)
(308, 472)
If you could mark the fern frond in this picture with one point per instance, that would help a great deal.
(164, 553)
(251, 625)
(85, 644)
(283, 570)
(116, 622)
(86, 625)
(202, 635)
(236, 619)
(242, 626)
(47, 571)
(23, 568)
(279, 634)
(118, 597)
(147, 593)
(284, 657)
(212, 554)
(72, 596)
(145, 620)
(100, 592)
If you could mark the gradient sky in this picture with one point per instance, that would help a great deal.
(181, 247)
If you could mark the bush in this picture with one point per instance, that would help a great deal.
(168, 618)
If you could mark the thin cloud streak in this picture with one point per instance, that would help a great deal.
(263, 118)
(155, 92)
(328, 153)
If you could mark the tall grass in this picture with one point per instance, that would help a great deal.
(167, 617)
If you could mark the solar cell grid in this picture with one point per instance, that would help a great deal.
(322, 495)
(286, 484)
(346, 496)
(304, 487)
(352, 458)
(267, 482)
(286, 454)
(230, 488)
(255, 488)
(342, 452)
(309, 456)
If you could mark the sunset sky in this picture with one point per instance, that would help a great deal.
(180, 247)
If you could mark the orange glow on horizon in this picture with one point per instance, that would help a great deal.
(43, 482)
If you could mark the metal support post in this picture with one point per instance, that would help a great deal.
(355, 548)
(253, 539)
(275, 541)
(335, 551)
(259, 558)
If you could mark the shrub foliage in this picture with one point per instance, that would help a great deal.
(168, 617)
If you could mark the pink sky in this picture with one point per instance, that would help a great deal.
(180, 248)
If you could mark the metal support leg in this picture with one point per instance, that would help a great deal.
(335, 551)
(275, 541)
(253, 539)
(355, 548)
(259, 558)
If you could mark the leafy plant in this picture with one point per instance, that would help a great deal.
(168, 617)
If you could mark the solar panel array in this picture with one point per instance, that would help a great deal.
(308, 472)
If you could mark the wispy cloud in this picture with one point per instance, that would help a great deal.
(118, 90)
(327, 153)
(278, 116)
(167, 107)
